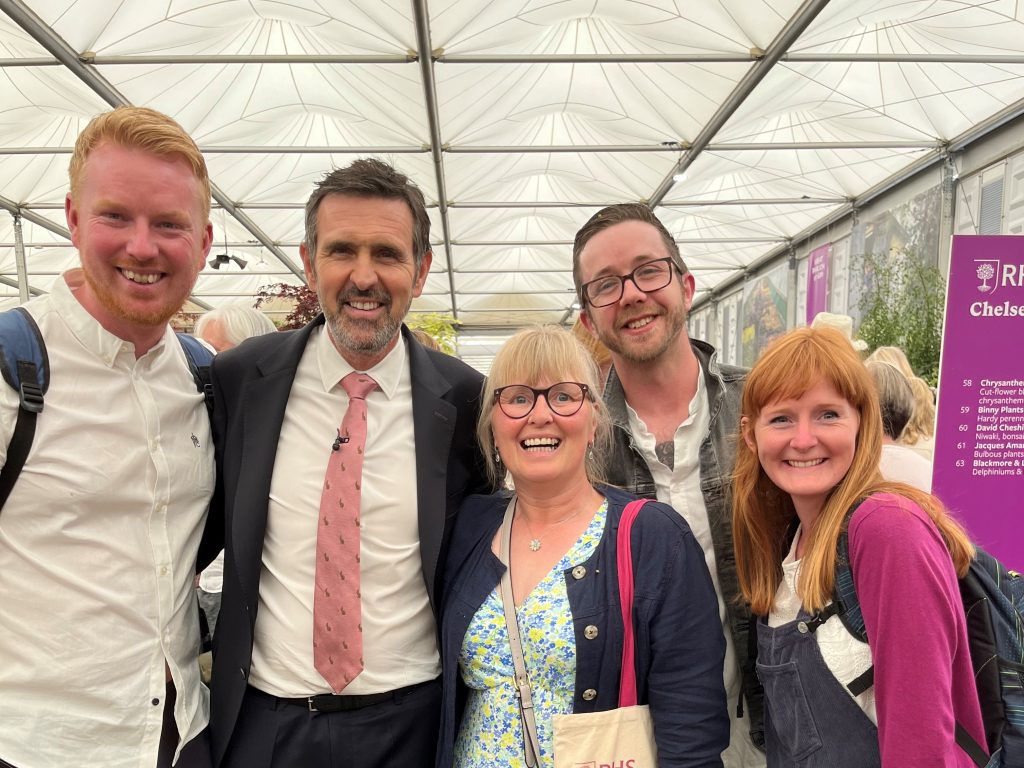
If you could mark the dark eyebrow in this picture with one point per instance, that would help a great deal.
(639, 259)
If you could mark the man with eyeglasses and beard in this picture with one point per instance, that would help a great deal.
(343, 450)
(674, 410)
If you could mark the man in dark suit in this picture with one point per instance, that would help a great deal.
(308, 671)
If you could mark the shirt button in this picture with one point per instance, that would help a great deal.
(156, 702)
(163, 570)
(579, 572)
(589, 695)
(590, 632)
(802, 627)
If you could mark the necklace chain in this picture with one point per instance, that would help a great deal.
(535, 542)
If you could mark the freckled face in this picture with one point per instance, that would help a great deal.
(806, 445)
(139, 225)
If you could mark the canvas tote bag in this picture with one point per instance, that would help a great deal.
(623, 736)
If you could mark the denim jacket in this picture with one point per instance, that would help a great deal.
(628, 469)
(679, 644)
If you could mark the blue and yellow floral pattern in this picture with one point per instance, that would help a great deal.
(491, 733)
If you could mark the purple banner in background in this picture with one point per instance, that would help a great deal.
(979, 438)
(817, 281)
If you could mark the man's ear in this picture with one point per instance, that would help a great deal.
(420, 278)
(587, 322)
(308, 266)
(71, 214)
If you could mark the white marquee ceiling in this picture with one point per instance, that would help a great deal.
(747, 123)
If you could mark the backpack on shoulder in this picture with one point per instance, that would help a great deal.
(993, 601)
(26, 368)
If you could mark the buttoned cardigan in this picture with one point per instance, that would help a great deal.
(679, 642)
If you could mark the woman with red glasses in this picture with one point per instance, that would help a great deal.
(542, 428)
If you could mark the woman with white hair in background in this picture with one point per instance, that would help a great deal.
(230, 325)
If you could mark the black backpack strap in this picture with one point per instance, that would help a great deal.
(26, 368)
(972, 748)
(199, 359)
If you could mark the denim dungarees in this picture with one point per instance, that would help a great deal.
(811, 720)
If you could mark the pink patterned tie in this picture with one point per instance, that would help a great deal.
(337, 615)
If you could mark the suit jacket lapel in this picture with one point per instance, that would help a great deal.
(433, 427)
(264, 399)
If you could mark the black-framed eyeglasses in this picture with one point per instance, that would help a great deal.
(649, 276)
(564, 398)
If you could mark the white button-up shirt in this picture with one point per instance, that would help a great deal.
(680, 487)
(399, 646)
(98, 545)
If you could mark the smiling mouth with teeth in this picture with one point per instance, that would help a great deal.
(639, 323)
(805, 464)
(141, 279)
(538, 444)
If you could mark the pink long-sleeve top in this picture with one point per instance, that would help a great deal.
(908, 592)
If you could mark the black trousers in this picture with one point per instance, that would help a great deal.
(399, 732)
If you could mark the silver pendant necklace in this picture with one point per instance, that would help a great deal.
(535, 542)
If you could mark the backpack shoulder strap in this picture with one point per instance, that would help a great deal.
(199, 359)
(844, 593)
(26, 368)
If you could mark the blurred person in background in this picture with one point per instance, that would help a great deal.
(919, 433)
(226, 327)
(896, 401)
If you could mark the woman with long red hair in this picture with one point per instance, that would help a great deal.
(812, 429)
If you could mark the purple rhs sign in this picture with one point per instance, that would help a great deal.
(817, 281)
(979, 439)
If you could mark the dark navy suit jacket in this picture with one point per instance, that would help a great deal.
(251, 387)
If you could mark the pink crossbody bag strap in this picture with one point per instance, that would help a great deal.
(624, 565)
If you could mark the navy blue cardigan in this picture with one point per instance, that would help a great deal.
(679, 643)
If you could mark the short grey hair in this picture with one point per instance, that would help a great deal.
(237, 323)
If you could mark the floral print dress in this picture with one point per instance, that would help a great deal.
(491, 733)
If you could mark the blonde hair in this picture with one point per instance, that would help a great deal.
(546, 352)
(762, 512)
(893, 356)
(146, 130)
(922, 424)
(895, 398)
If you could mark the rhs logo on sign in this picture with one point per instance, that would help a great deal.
(986, 270)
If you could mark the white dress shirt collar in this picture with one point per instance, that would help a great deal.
(333, 367)
(86, 328)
